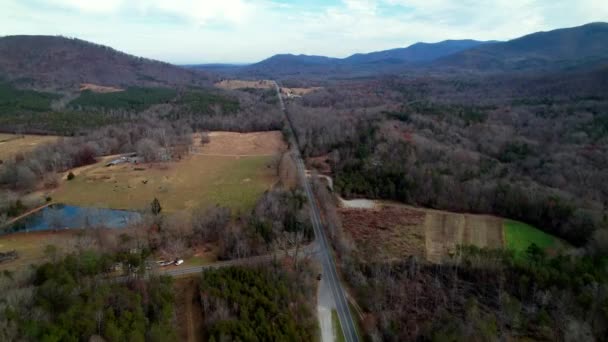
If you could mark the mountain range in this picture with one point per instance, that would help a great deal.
(53, 62)
(556, 49)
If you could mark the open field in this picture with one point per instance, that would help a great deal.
(445, 231)
(241, 84)
(263, 84)
(241, 144)
(99, 89)
(390, 232)
(394, 231)
(31, 246)
(204, 178)
(298, 91)
(11, 144)
(519, 236)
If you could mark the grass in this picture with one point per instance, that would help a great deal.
(31, 246)
(199, 260)
(338, 334)
(10, 144)
(519, 236)
(356, 319)
(197, 181)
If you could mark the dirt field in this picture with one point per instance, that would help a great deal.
(241, 144)
(207, 177)
(298, 91)
(11, 144)
(240, 84)
(99, 89)
(394, 231)
(263, 84)
(188, 309)
(31, 246)
(390, 232)
(445, 231)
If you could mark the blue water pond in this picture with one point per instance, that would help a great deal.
(60, 216)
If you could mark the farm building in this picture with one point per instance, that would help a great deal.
(133, 159)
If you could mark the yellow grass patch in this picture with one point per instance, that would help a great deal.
(204, 178)
(241, 84)
(445, 231)
(298, 91)
(12, 144)
(31, 246)
(99, 89)
(241, 144)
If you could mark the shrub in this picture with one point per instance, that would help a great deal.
(71, 176)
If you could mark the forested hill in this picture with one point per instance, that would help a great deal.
(580, 47)
(562, 48)
(53, 62)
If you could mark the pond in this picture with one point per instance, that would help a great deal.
(60, 216)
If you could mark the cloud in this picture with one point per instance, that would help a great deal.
(200, 12)
(105, 6)
(197, 11)
(189, 31)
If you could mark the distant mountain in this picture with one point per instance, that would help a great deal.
(53, 62)
(580, 47)
(562, 48)
(419, 52)
(288, 64)
(357, 64)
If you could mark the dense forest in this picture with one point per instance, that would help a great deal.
(259, 304)
(70, 299)
(29, 111)
(531, 147)
(484, 295)
(475, 294)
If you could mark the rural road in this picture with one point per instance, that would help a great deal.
(327, 260)
(304, 252)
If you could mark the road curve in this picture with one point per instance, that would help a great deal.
(329, 266)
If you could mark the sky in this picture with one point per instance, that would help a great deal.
(243, 31)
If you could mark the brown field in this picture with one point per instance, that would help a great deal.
(241, 144)
(241, 84)
(188, 309)
(11, 144)
(31, 246)
(390, 232)
(99, 89)
(394, 231)
(298, 91)
(445, 231)
(233, 170)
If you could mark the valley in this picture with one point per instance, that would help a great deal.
(446, 191)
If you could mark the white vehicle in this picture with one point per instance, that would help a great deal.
(163, 263)
(179, 262)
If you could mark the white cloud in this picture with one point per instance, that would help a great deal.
(104, 6)
(201, 12)
(186, 31)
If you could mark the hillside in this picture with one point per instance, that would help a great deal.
(577, 47)
(387, 61)
(419, 52)
(53, 62)
(553, 49)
